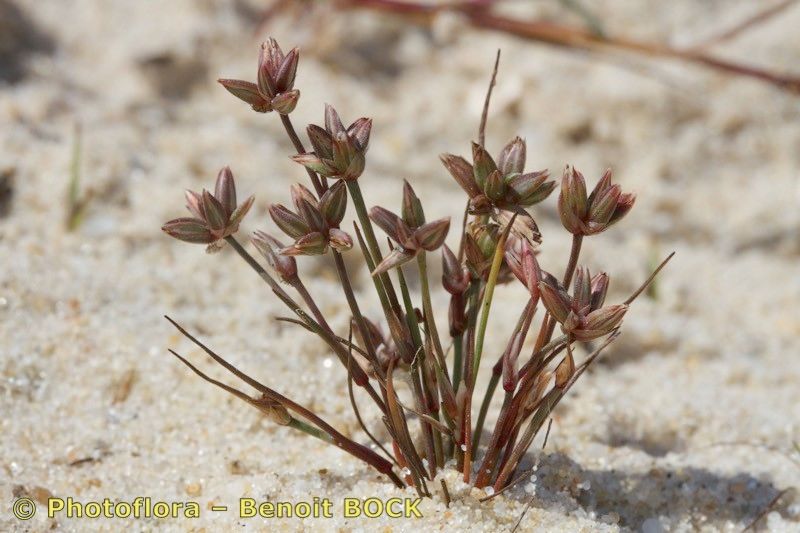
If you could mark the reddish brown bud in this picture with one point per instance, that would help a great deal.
(391, 224)
(600, 322)
(332, 121)
(495, 186)
(572, 202)
(455, 278)
(432, 235)
(312, 216)
(225, 190)
(269, 247)
(512, 158)
(565, 370)
(216, 217)
(333, 204)
(321, 140)
(599, 288)
(359, 131)
(284, 103)
(285, 74)
(413, 214)
(482, 165)
(555, 299)
(194, 203)
(239, 213)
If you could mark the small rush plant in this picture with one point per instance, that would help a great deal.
(499, 243)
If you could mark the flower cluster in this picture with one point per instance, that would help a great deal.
(410, 232)
(504, 184)
(339, 152)
(216, 216)
(314, 225)
(500, 242)
(275, 87)
(582, 315)
(606, 205)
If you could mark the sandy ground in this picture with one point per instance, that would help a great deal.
(689, 423)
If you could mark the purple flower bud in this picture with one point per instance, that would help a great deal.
(360, 130)
(512, 158)
(285, 74)
(482, 165)
(238, 214)
(582, 291)
(321, 140)
(333, 204)
(312, 216)
(333, 124)
(573, 204)
(599, 289)
(284, 103)
(300, 192)
(391, 224)
(413, 214)
(216, 217)
(225, 190)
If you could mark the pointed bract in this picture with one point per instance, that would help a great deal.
(432, 235)
(189, 230)
(396, 257)
(225, 190)
(333, 204)
(290, 223)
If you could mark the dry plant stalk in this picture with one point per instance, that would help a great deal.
(499, 244)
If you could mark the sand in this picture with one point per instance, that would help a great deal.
(688, 423)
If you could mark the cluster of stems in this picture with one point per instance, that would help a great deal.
(498, 244)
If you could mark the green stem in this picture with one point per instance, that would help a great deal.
(497, 262)
(372, 241)
(427, 308)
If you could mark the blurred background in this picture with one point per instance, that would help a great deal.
(110, 109)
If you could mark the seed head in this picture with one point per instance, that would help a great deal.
(216, 216)
(498, 185)
(339, 153)
(582, 215)
(275, 77)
